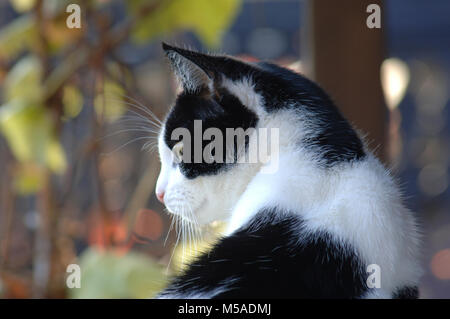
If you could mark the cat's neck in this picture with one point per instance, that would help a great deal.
(302, 186)
(354, 202)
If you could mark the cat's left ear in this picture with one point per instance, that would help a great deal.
(193, 69)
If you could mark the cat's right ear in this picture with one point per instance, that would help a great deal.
(189, 67)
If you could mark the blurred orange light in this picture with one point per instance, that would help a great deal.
(149, 224)
(440, 264)
(105, 233)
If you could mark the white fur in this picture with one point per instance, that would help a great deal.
(201, 293)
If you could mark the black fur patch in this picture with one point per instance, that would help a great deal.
(406, 293)
(222, 110)
(332, 137)
(265, 261)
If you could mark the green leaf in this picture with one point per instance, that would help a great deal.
(16, 36)
(25, 128)
(28, 129)
(24, 80)
(110, 275)
(26, 123)
(208, 19)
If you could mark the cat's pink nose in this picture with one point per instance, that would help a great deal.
(160, 196)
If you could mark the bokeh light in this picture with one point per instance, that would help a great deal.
(433, 179)
(440, 264)
(394, 80)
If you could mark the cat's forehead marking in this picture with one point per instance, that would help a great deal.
(244, 90)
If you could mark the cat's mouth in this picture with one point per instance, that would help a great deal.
(186, 211)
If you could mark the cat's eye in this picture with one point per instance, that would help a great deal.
(178, 151)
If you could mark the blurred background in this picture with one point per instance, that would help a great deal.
(78, 108)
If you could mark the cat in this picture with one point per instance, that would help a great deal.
(328, 222)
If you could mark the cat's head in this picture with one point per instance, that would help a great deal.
(203, 175)
(199, 181)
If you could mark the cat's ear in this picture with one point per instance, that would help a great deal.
(191, 68)
(198, 70)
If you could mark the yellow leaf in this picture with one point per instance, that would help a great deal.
(24, 80)
(72, 100)
(16, 36)
(25, 127)
(207, 18)
(22, 5)
(56, 158)
(28, 130)
(28, 178)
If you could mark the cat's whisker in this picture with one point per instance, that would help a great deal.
(148, 120)
(195, 226)
(189, 236)
(183, 237)
(144, 108)
(133, 117)
(124, 145)
(177, 229)
(189, 232)
(138, 105)
(140, 126)
(150, 146)
(192, 230)
(138, 129)
(140, 117)
(137, 121)
(170, 229)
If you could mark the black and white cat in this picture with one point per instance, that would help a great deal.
(313, 227)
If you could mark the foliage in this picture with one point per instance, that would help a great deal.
(109, 104)
(27, 121)
(208, 19)
(17, 36)
(52, 77)
(111, 275)
(24, 121)
(72, 101)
